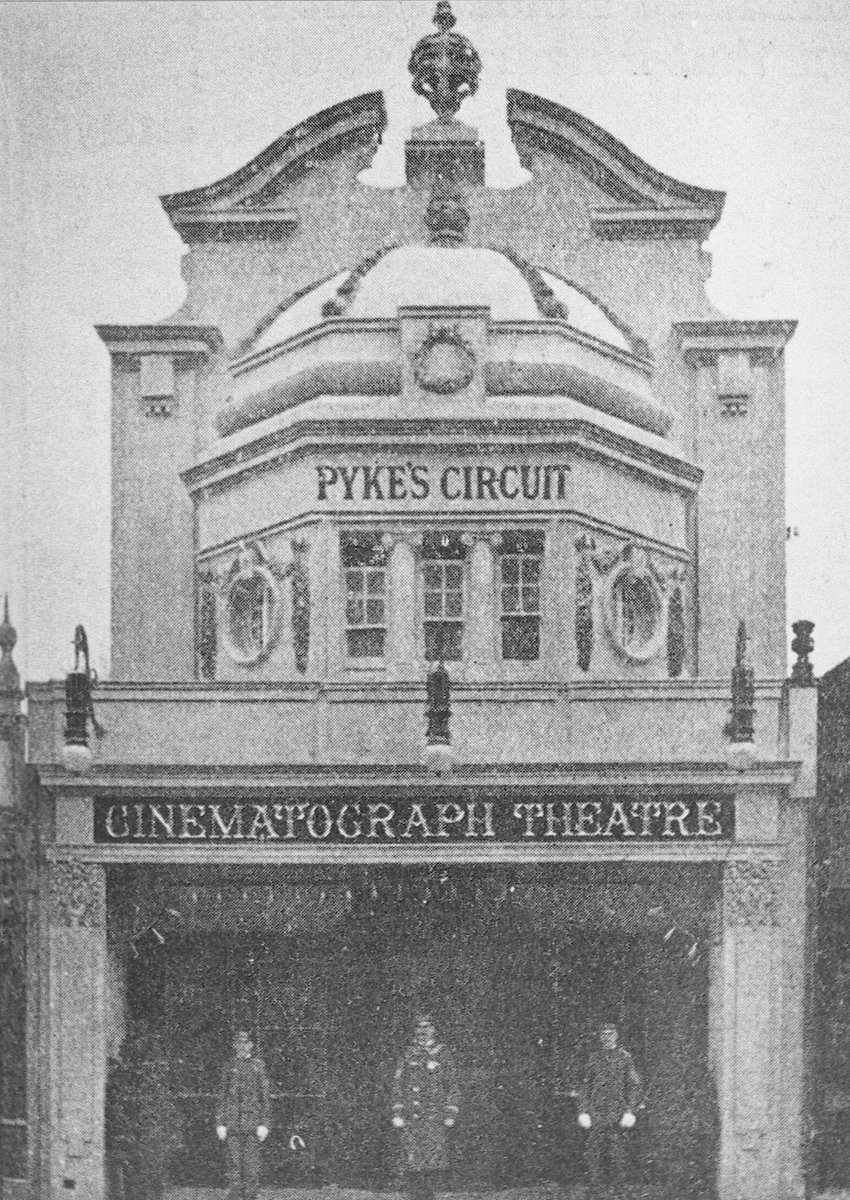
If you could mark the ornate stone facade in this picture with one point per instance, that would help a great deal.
(77, 895)
(751, 894)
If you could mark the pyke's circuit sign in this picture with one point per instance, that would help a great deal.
(402, 821)
(409, 481)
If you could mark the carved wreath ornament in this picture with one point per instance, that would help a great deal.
(444, 363)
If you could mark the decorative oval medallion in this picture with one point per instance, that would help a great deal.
(444, 363)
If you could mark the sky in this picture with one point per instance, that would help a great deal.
(105, 106)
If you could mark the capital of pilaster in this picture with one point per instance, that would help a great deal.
(77, 895)
(751, 894)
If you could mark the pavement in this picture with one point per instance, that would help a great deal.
(544, 1192)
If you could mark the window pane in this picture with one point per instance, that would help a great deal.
(454, 604)
(365, 549)
(510, 570)
(510, 600)
(433, 604)
(530, 570)
(375, 581)
(531, 599)
(443, 546)
(374, 612)
(354, 611)
(354, 580)
(454, 575)
(446, 635)
(521, 638)
(528, 541)
(432, 575)
(365, 643)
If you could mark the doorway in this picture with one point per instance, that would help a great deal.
(517, 974)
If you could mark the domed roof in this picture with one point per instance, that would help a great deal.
(435, 276)
(445, 277)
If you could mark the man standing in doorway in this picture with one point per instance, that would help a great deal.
(242, 1120)
(609, 1098)
(425, 1108)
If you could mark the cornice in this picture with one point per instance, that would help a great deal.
(697, 338)
(238, 780)
(52, 691)
(643, 224)
(605, 160)
(160, 339)
(433, 432)
(201, 225)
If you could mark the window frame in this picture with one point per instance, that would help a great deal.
(521, 617)
(347, 542)
(459, 558)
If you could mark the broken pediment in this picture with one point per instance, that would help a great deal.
(641, 202)
(251, 201)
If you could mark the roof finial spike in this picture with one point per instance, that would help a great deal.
(10, 680)
(445, 65)
(8, 634)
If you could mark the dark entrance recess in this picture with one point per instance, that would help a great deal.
(517, 968)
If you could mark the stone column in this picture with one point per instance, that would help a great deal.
(749, 1165)
(77, 1033)
(481, 616)
(402, 610)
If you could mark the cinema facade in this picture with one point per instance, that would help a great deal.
(437, 511)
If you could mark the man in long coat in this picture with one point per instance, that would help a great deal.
(610, 1096)
(424, 1108)
(242, 1118)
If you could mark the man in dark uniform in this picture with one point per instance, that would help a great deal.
(610, 1095)
(242, 1120)
(424, 1108)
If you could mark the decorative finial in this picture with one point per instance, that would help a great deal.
(444, 18)
(8, 634)
(739, 727)
(445, 65)
(446, 215)
(802, 672)
(10, 679)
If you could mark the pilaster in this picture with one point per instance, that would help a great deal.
(482, 616)
(751, 1033)
(77, 1033)
(402, 609)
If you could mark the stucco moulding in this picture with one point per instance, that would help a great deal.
(700, 338)
(160, 339)
(603, 378)
(279, 440)
(246, 203)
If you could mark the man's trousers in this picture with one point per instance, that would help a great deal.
(243, 1166)
(602, 1138)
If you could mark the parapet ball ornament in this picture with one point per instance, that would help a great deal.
(444, 363)
(76, 758)
(438, 758)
